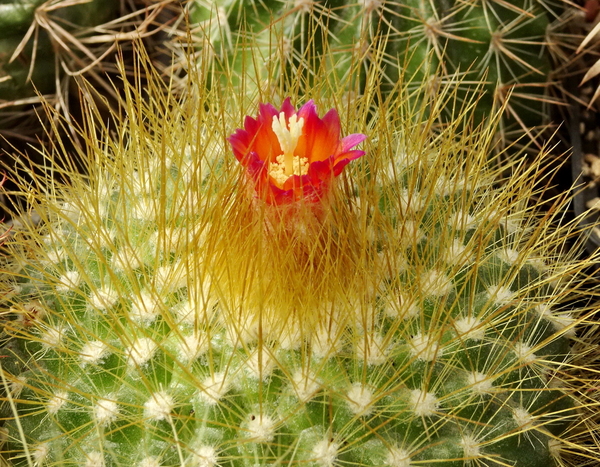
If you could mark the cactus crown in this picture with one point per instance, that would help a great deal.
(163, 315)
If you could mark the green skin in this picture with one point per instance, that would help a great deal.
(413, 403)
(505, 44)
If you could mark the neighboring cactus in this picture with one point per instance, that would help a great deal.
(34, 34)
(503, 42)
(412, 315)
(46, 43)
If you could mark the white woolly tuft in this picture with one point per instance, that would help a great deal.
(54, 257)
(170, 238)
(372, 349)
(94, 459)
(144, 210)
(462, 221)
(260, 365)
(555, 447)
(57, 402)
(470, 447)
(480, 383)
(126, 260)
(17, 386)
(411, 200)
(168, 279)
(563, 322)
(52, 337)
(436, 283)
(457, 254)
(93, 352)
(524, 352)
(325, 452)
(105, 412)
(68, 282)
(398, 457)
(103, 298)
(410, 233)
(40, 454)
(523, 418)
(261, 428)
(214, 388)
(500, 294)
(149, 462)
(145, 308)
(191, 347)
(425, 347)
(305, 385)
(159, 406)
(470, 327)
(326, 342)
(509, 256)
(204, 456)
(141, 351)
(424, 404)
(398, 306)
(360, 399)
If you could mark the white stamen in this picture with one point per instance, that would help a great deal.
(288, 138)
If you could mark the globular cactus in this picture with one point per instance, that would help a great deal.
(503, 43)
(167, 311)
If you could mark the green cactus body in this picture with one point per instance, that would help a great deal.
(426, 326)
(503, 42)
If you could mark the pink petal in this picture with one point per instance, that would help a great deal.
(352, 140)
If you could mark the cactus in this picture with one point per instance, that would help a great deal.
(45, 44)
(501, 42)
(27, 58)
(168, 311)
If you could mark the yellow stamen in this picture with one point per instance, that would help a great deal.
(288, 138)
(278, 172)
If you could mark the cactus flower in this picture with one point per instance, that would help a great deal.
(293, 155)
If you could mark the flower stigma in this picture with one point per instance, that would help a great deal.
(288, 140)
